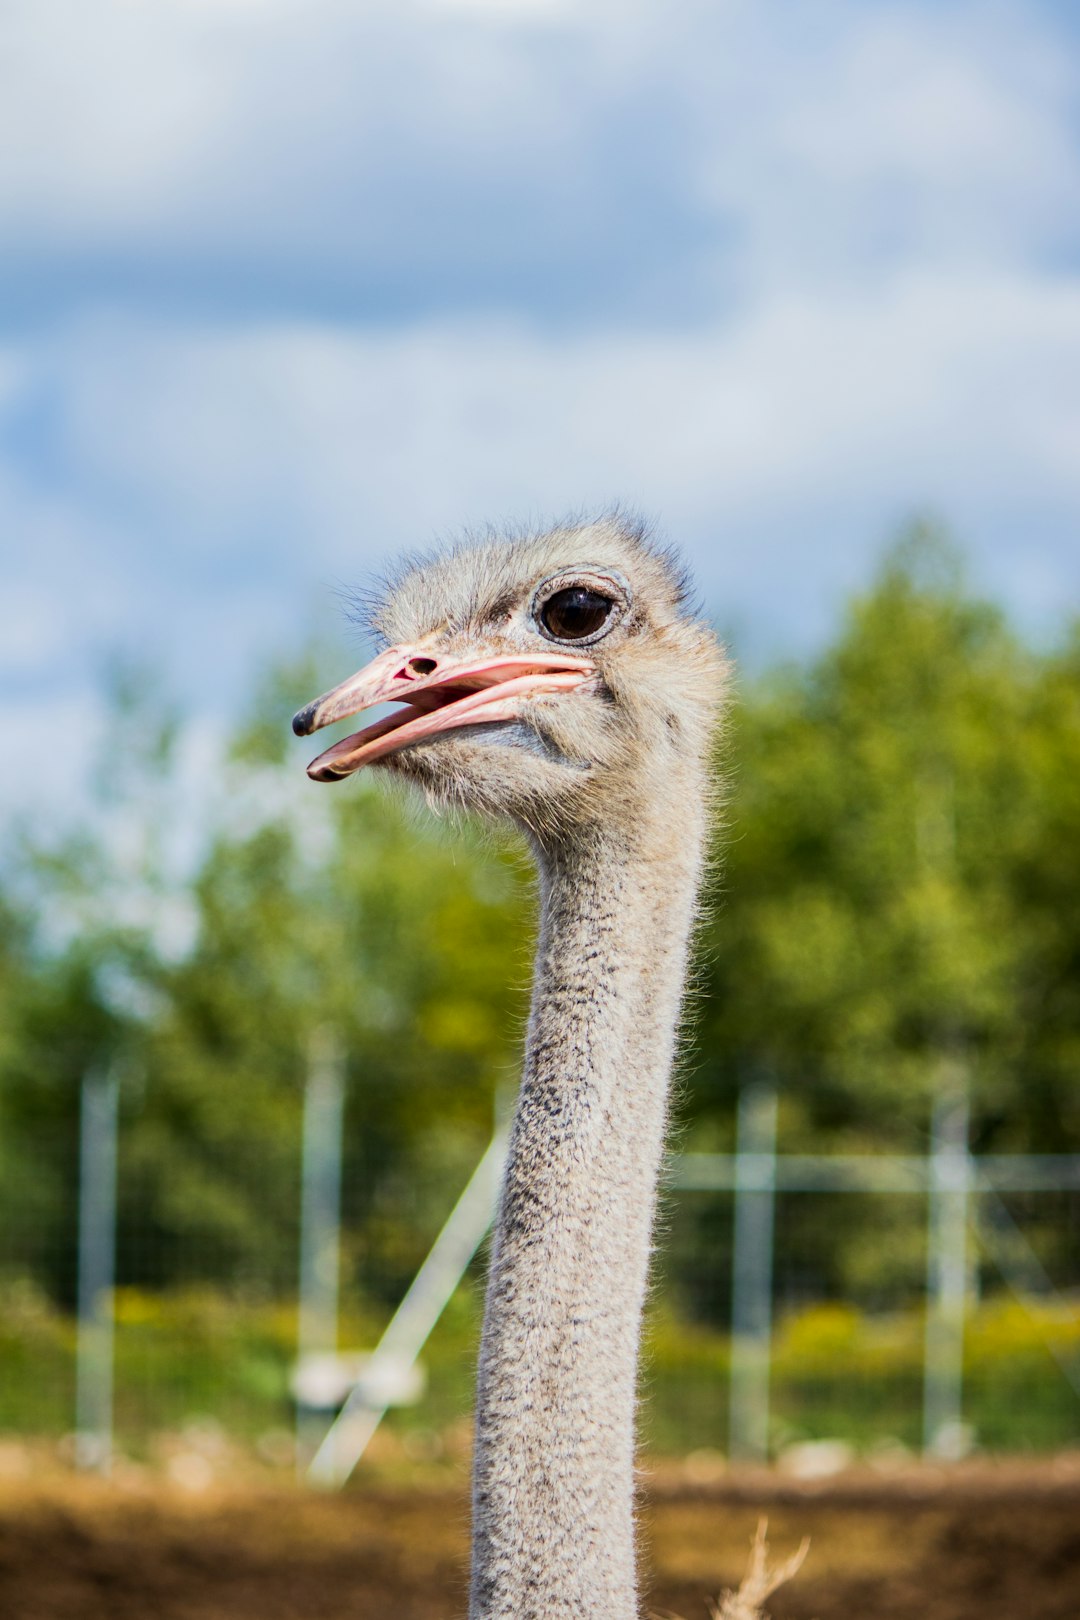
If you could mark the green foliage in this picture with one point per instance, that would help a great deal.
(838, 1373)
(899, 823)
(899, 897)
(197, 1354)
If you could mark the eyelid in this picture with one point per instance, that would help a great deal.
(604, 581)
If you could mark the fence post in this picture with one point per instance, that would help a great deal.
(320, 1221)
(97, 1268)
(751, 1292)
(946, 1277)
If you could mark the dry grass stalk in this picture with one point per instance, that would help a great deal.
(759, 1582)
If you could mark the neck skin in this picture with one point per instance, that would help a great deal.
(553, 1473)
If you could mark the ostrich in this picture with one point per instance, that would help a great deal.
(560, 681)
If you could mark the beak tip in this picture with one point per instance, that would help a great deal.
(323, 773)
(301, 720)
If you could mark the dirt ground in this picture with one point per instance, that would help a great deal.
(976, 1542)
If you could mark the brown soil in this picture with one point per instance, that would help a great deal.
(975, 1543)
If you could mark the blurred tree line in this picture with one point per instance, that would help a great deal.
(897, 899)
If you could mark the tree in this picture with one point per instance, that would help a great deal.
(899, 893)
(895, 902)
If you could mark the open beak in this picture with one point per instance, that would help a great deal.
(439, 694)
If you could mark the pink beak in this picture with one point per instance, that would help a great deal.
(439, 693)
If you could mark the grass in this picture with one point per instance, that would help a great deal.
(198, 1356)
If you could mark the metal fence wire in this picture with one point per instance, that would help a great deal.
(976, 1342)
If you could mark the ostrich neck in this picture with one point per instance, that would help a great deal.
(553, 1472)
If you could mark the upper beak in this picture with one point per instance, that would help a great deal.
(441, 693)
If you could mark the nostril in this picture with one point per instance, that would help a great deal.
(422, 666)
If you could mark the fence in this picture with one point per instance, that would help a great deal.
(950, 1178)
(340, 1400)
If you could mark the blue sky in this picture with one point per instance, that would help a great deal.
(287, 286)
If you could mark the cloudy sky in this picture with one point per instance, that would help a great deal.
(286, 285)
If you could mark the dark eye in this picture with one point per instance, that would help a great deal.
(575, 613)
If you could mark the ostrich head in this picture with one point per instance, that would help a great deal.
(543, 678)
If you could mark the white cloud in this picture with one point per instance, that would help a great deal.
(253, 460)
(312, 283)
(603, 157)
(933, 380)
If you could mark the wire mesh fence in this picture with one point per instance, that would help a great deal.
(955, 1322)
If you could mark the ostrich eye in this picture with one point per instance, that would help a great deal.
(575, 613)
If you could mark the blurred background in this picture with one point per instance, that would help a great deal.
(285, 289)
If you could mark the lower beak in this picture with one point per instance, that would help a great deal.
(439, 693)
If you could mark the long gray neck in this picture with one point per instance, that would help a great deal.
(553, 1471)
